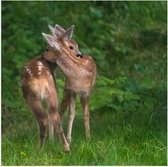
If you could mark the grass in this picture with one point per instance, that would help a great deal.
(130, 138)
(128, 108)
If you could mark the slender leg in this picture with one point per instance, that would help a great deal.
(64, 104)
(41, 117)
(57, 124)
(71, 115)
(85, 105)
(55, 118)
(51, 130)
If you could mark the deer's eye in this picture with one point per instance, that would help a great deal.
(71, 47)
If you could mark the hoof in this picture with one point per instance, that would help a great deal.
(67, 150)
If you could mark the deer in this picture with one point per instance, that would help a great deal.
(80, 71)
(39, 87)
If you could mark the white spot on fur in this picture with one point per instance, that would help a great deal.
(48, 73)
(39, 63)
(42, 95)
(43, 91)
(39, 68)
(29, 71)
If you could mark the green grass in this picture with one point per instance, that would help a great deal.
(116, 139)
(128, 105)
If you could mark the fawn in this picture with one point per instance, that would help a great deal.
(80, 72)
(39, 86)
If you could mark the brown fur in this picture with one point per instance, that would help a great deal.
(80, 79)
(39, 85)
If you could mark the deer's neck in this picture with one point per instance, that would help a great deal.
(75, 69)
(51, 65)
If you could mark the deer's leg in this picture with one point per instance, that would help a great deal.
(85, 105)
(55, 120)
(71, 114)
(51, 130)
(64, 104)
(41, 116)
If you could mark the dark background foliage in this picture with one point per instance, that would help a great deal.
(126, 39)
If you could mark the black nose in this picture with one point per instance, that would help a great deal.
(79, 55)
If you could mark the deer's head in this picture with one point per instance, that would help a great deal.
(61, 42)
(66, 36)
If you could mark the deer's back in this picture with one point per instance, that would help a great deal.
(37, 79)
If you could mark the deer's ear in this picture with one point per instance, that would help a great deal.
(68, 33)
(52, 30)
(60, 29)
(50, 40)
(57, 33)
(53, 42)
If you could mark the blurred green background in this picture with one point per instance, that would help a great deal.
(128, 107)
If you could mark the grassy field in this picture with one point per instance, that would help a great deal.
(128, 41)
(116, 139)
